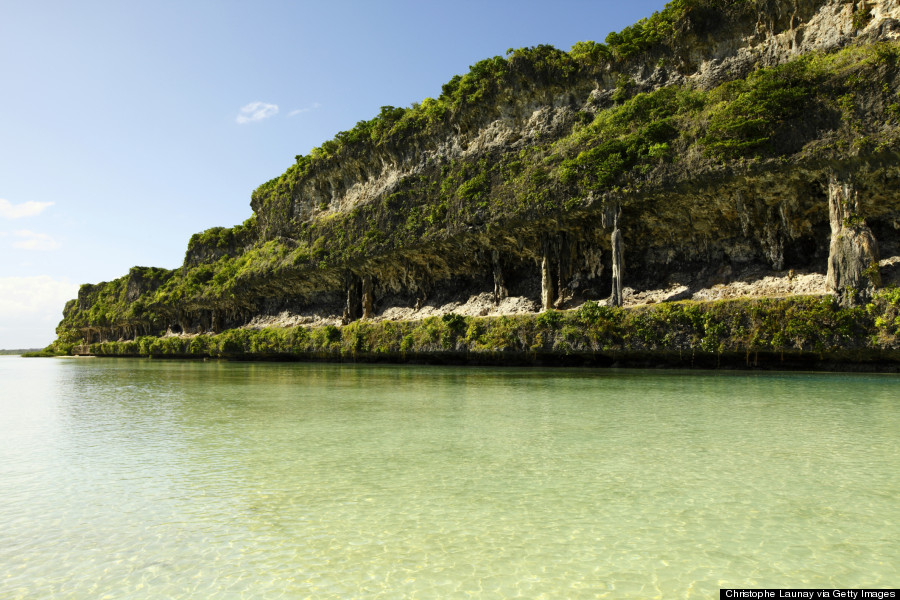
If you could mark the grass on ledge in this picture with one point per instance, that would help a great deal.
(805, 324)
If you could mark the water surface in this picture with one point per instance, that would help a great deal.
(150, 479)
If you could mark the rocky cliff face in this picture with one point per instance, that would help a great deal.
(714, 140)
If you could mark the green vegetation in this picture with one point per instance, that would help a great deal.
(816, 325)
(885, 309)
(746, 114)
(223, 238)
(636, 135)
(658, 28)
(122, 302)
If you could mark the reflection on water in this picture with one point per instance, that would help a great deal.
(138, 478)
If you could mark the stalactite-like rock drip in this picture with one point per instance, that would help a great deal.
(184, 321)
(618, 263)
(564, 267)
(547, 291)
(353, 304)
(422, 284)
(368, 297)
(216, 321)
(500, 291)
(853, 253)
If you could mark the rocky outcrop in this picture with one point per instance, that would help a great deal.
(144, 280)
(853, 253)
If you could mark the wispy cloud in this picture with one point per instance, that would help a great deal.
(29, 295)
(31, 240)
(30, 307)
(298, 111)
(8, 210)
(256, 111)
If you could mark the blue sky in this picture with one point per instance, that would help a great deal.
(125, 127)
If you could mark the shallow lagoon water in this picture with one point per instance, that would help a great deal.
(150, 479)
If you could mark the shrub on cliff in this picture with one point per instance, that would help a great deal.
(748, 114)
(803, 324)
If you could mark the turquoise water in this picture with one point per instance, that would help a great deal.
(154, 479)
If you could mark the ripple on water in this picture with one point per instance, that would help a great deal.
(166, 479)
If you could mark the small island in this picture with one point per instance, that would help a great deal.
(712, 186)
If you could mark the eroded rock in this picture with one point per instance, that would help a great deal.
(853, 253)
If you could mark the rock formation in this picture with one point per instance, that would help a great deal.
(853, 253)
(618, 264)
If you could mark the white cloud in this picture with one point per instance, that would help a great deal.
(256, 111)
(8, 210)
(30, 308)
(306, 109)
(31, 240)
(37, 294)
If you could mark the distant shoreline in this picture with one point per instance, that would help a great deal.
(20, 351)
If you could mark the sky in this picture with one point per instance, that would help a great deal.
(125, 127)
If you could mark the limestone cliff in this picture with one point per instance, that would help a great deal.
(715, 139)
